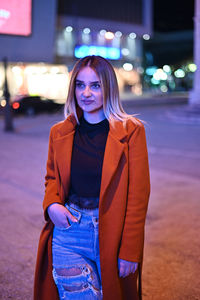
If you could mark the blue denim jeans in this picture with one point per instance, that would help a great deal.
(76, 263)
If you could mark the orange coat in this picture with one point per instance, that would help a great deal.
(124, 195)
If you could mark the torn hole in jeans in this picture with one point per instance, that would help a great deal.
(78, 279)
(74, 271)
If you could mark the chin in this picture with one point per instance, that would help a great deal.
(89, 109)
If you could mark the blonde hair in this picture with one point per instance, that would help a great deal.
(111, 103)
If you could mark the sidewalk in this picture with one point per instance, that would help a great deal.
(172, 256)
(150, 98)
(185, 113)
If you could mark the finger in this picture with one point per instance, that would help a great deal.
(122, 268)
(128, 270)
(70, 216)
(67, 225)
(122, 274)
(121, 271)
(134, 268)
(63, 223)
(124, 271)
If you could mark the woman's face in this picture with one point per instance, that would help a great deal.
(88, 93)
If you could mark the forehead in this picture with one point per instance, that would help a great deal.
(87, 74)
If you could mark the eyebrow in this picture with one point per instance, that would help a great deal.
(77, 80)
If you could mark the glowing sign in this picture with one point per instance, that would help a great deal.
(15, 17)
(106, 52)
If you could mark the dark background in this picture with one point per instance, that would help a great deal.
(172, 40)
(173, 15)
(123, 11)
(168, 16)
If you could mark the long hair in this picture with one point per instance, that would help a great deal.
(111, 103)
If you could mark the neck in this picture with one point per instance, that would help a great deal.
(94, 117)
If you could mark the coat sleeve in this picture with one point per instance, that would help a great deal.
(51, 191)
(132, 241)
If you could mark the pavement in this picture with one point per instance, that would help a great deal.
(171, 256)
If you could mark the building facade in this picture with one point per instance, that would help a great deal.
(65, 31)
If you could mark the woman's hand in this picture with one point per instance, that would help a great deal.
(59, 215)
(126, 267)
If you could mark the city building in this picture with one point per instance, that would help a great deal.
(42, 55)
(114, 30)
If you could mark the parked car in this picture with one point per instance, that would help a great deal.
(31, 105)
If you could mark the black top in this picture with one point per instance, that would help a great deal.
(87, 158)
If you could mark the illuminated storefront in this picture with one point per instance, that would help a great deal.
(45, 80)
(51, 81)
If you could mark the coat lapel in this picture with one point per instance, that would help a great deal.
(113, 152)
(63, 152)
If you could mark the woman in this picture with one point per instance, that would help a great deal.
(96, 197)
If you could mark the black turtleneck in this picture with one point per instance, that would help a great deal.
(87, 158)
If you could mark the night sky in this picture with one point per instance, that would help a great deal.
(172, 41)
(170, 15)
(173, 15)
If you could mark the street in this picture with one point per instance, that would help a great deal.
(171, 257)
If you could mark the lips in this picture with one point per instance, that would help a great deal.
(87, 102)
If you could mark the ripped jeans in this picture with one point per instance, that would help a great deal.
(76, 262)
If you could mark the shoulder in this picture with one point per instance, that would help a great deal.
(133, 125)
(62, 128)
(126, 128)
(54, 131)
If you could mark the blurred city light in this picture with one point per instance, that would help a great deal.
(109, 35)
(31, 70)
(164, 88)
(179, 73)
(106, 52)
(192, 67)
(167, 69)
(151, 70)
(86, 30)
(3, 103)
(118, 34)
(128, 67)
(15, 105)
(102, 32)
(125, 51)
(160, 75)
(132, 35)
(69, 29)
(155, 81)
(16, 70)
(43, 69)
(54, 70)
(146, 36)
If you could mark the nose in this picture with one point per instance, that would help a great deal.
(87, 91)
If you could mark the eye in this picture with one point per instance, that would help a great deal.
(80, 85)
(95, 86)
